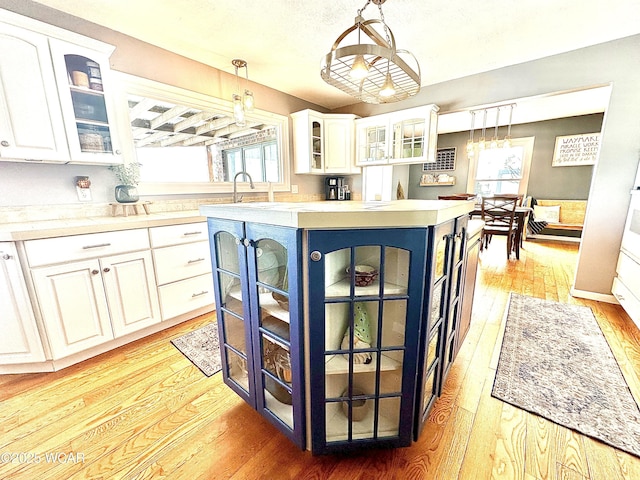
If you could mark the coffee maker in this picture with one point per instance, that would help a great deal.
(335, 188)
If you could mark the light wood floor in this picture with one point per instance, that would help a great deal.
(144, 411)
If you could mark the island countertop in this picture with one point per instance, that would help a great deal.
(348, 214)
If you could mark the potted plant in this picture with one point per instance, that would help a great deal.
(128, 175)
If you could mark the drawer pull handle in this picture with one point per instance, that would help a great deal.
(196, 260)
(204, 292)
(191, 233)
(86, 247)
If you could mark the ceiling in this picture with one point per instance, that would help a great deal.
(283, 41)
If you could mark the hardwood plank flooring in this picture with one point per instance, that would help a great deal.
(144, 411)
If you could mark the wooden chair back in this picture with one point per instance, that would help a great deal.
(498, 212)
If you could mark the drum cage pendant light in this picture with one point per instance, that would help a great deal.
(382, 73)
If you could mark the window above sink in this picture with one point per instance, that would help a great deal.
(187, 142)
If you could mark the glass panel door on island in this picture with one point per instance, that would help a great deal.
(273, 268)
(274, 361)
(256, 271)
(366, 343)
(229, 262)
(430, 370)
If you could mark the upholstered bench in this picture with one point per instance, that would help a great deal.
(565, 218)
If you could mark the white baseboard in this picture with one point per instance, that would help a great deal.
(599, 297)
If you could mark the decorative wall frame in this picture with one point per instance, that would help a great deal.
(576, 150)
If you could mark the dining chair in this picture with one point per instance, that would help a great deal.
(498, 213)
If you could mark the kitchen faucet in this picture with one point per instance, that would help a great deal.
(235, 194)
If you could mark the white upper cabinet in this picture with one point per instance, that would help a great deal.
(402, 137)
(31, 127)
(88, 109)
(324, 143)
(56, 100)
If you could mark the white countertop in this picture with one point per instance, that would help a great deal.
(337, 214)
(75, 226)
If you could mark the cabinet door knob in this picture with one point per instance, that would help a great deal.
(247, 243)
(106, 270)
(238, 241)
(4, 143)
(316, 256)
(95, 272)
(6, 256)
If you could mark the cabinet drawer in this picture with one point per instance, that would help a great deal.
(178, 234)
(629, 302)
(187, 295)
(629, 272)
(48, 251)
(182, 261)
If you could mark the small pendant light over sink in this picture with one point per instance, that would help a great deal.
(241, 103)
(372, 69)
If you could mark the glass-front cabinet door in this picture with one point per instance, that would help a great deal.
(365, 299)
(232, 305)
(458, 258)
(430, 369)
(274, 267)
(87, 105)
(372, 147)
(414, 134)
(256, 271)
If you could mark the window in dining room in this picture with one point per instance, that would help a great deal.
(501, 170)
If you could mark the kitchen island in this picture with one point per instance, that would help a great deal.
(338, 321)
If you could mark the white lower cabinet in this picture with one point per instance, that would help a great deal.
(87, 303)
(93, 288)
(85, 294)
(182, 260)
(73, 306)
(20, 341)
(186, 295)
(131, 291)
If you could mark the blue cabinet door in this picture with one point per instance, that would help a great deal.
(256, 277)
(229, 262)
(274, 269)
(456, 284)
(433, 343)
(365, 294)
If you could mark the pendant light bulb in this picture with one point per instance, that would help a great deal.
(359, 69)
(249, 102)
(238, 111)
(470, 142)
(387, 89)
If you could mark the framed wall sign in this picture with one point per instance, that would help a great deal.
(574, 150)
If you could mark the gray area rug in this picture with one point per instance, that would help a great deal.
(202, 348)
(555, 362)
